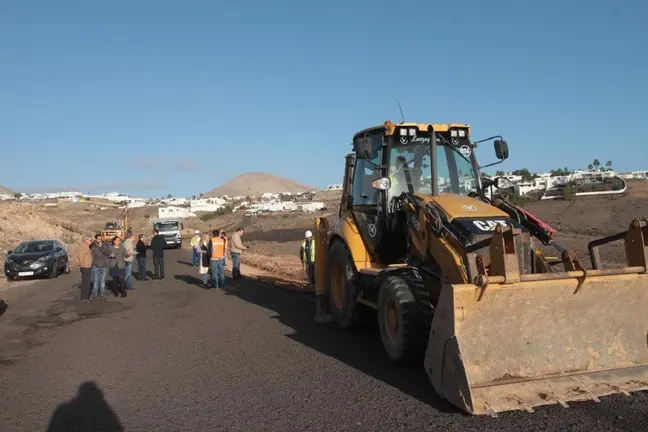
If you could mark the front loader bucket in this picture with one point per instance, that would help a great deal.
(540, 339)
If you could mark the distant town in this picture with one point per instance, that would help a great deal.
(182, 207)
(523, 184)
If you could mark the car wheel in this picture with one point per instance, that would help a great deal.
(54, 271)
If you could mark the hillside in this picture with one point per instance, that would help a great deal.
(5, 191)
(255, 184)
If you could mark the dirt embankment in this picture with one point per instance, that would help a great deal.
(274, 239)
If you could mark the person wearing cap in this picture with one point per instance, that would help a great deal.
(307, 256)
(195, 241)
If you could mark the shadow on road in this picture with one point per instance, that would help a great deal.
(187, 263)
(361, 350)
(87, 411)
(189, 279)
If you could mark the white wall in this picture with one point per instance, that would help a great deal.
(170, 212)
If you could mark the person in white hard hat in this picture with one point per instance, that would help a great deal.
(195, 240)
(307, 256)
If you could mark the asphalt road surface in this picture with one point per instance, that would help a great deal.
(174, 357)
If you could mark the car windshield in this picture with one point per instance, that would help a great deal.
(455, 173)
(34, 247)
(167, 226)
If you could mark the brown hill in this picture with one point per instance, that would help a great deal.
(255, 184)
(5, 191)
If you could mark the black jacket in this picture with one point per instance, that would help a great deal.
(157, 245)
(140, 247)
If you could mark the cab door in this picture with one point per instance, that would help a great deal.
(364, 200)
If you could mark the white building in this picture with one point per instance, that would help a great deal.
(174, 212)
(334, 187)
(635, 175)
(206, 204)
(6, 197)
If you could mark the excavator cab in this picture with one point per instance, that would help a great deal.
(457, 276)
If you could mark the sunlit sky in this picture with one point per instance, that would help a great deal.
(149, 97)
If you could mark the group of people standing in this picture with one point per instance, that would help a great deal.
(209, 255)
(97, 259)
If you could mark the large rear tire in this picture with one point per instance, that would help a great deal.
(404, 318)
(342, 290)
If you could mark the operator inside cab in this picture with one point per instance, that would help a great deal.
(398, 175)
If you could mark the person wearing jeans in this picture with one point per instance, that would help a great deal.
(129, 245)
(100, 262)
(236, 248)
(157, 245)
(217, 263)
(141, 258)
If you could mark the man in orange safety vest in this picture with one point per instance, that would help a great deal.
(216, 249)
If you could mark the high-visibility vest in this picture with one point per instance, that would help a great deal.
(218, 248)
(312, 251)
(195, 240)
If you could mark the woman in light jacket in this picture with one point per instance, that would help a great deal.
(203, 269)
(118, 257)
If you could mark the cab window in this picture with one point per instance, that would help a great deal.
(365, 172)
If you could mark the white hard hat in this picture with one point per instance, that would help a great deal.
(309, 234)
(197, 232)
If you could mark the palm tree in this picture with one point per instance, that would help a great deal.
(590, 167)
(596, 163)
(608, 163)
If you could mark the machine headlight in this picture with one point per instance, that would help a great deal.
(462, 133)
(381, 183)
(9, 261)
(45, 258)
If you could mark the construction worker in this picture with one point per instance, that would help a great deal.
(217, 262)
(195, 241)
(307, 256)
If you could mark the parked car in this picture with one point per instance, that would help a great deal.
(37, 258)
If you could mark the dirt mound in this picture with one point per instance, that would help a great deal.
(20, 223)
(255, 184)
(5, 191)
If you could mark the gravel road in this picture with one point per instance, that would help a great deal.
(174, 357)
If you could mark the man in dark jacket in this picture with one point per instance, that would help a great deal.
(157, 245)
(100, 263)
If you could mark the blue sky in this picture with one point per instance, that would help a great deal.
(151, 97)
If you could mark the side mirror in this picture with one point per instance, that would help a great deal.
(362, 147)
(383, 183)
(501, 149)
(503, 183)
(9, 252)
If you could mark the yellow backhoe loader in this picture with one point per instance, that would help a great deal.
(459, 280)
(120, 228)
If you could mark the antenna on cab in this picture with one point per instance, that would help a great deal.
(401, 111)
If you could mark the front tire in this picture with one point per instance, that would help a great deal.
(54, 272)
(404, 320)
(342, 291)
